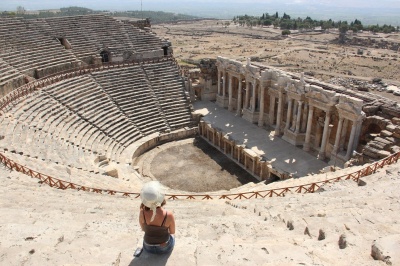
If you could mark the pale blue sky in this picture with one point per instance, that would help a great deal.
(381, 11)
(134, 4)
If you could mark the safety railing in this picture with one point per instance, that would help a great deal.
(276, 192)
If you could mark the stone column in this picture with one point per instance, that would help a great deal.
(279, 115)
(246, 101)
(304, 120)
(230, 107)
(253, 103)
(294, 115)
(224, 84)
(261, 115)
(325, 136)
(300, 104)
(271, 109)
(338, 134)
(289, 113)
(239, 98)
(306, 146)
(351, 140)
(219, 82)
(343, 135)
(358, 132)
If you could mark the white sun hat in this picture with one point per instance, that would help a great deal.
(152, 196)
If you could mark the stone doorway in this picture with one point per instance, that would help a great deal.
(105, 57)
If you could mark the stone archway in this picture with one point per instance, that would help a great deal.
(371, 127)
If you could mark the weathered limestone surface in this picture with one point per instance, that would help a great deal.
(76, 227)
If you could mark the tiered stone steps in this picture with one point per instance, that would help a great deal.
(31, 52)
(73, 121)
(141, 40)
(89, 34)
(10, 77)
(129, 90)
(169, 89)
(71, 227)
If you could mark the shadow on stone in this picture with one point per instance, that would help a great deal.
(148, 259)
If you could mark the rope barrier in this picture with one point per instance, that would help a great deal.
(277, 192)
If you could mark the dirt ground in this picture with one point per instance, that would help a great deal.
(197, 167)
(314, 52)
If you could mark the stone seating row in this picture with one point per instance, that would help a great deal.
(92, 178)
(91, 33)
(92, 113)
(169, 93)
(8, 73)
(46, 114)
(28, 63)
(26, 49)
(90, 103)
(36, 143)
(134, 98)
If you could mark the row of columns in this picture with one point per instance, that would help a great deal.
(325, 133)
(341, 134)
(297, 110)
(228, 78)
(293, 117)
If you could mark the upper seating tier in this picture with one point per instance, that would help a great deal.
(98, 113)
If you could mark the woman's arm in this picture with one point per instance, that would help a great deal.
(171, 223)
(141, 219)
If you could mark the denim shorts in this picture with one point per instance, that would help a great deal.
(156, 249)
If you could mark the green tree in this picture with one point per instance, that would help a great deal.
(20, 10)
(343, 28)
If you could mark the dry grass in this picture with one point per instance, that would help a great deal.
(314, 53)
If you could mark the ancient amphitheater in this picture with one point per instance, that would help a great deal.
(85, 98)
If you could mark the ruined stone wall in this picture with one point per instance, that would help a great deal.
(373, 43)
(316, 116)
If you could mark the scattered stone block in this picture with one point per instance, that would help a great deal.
(383, 154)
(371, 152)
(321, 235)
(112, 173)
(289, 225)
(307, 232)
(342, 241)
(395, 149)
(378, 253)
(383, 140)
(100, 158)
(361, 183)
(391, 127)
(377, 145)
(396, 121)
(386, 133)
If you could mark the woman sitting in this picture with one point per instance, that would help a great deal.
(157, 223)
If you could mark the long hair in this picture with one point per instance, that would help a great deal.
(148, 209)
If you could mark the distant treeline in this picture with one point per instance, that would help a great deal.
(155, 16)
(285, 22)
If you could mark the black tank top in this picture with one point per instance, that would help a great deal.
(155, 235)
